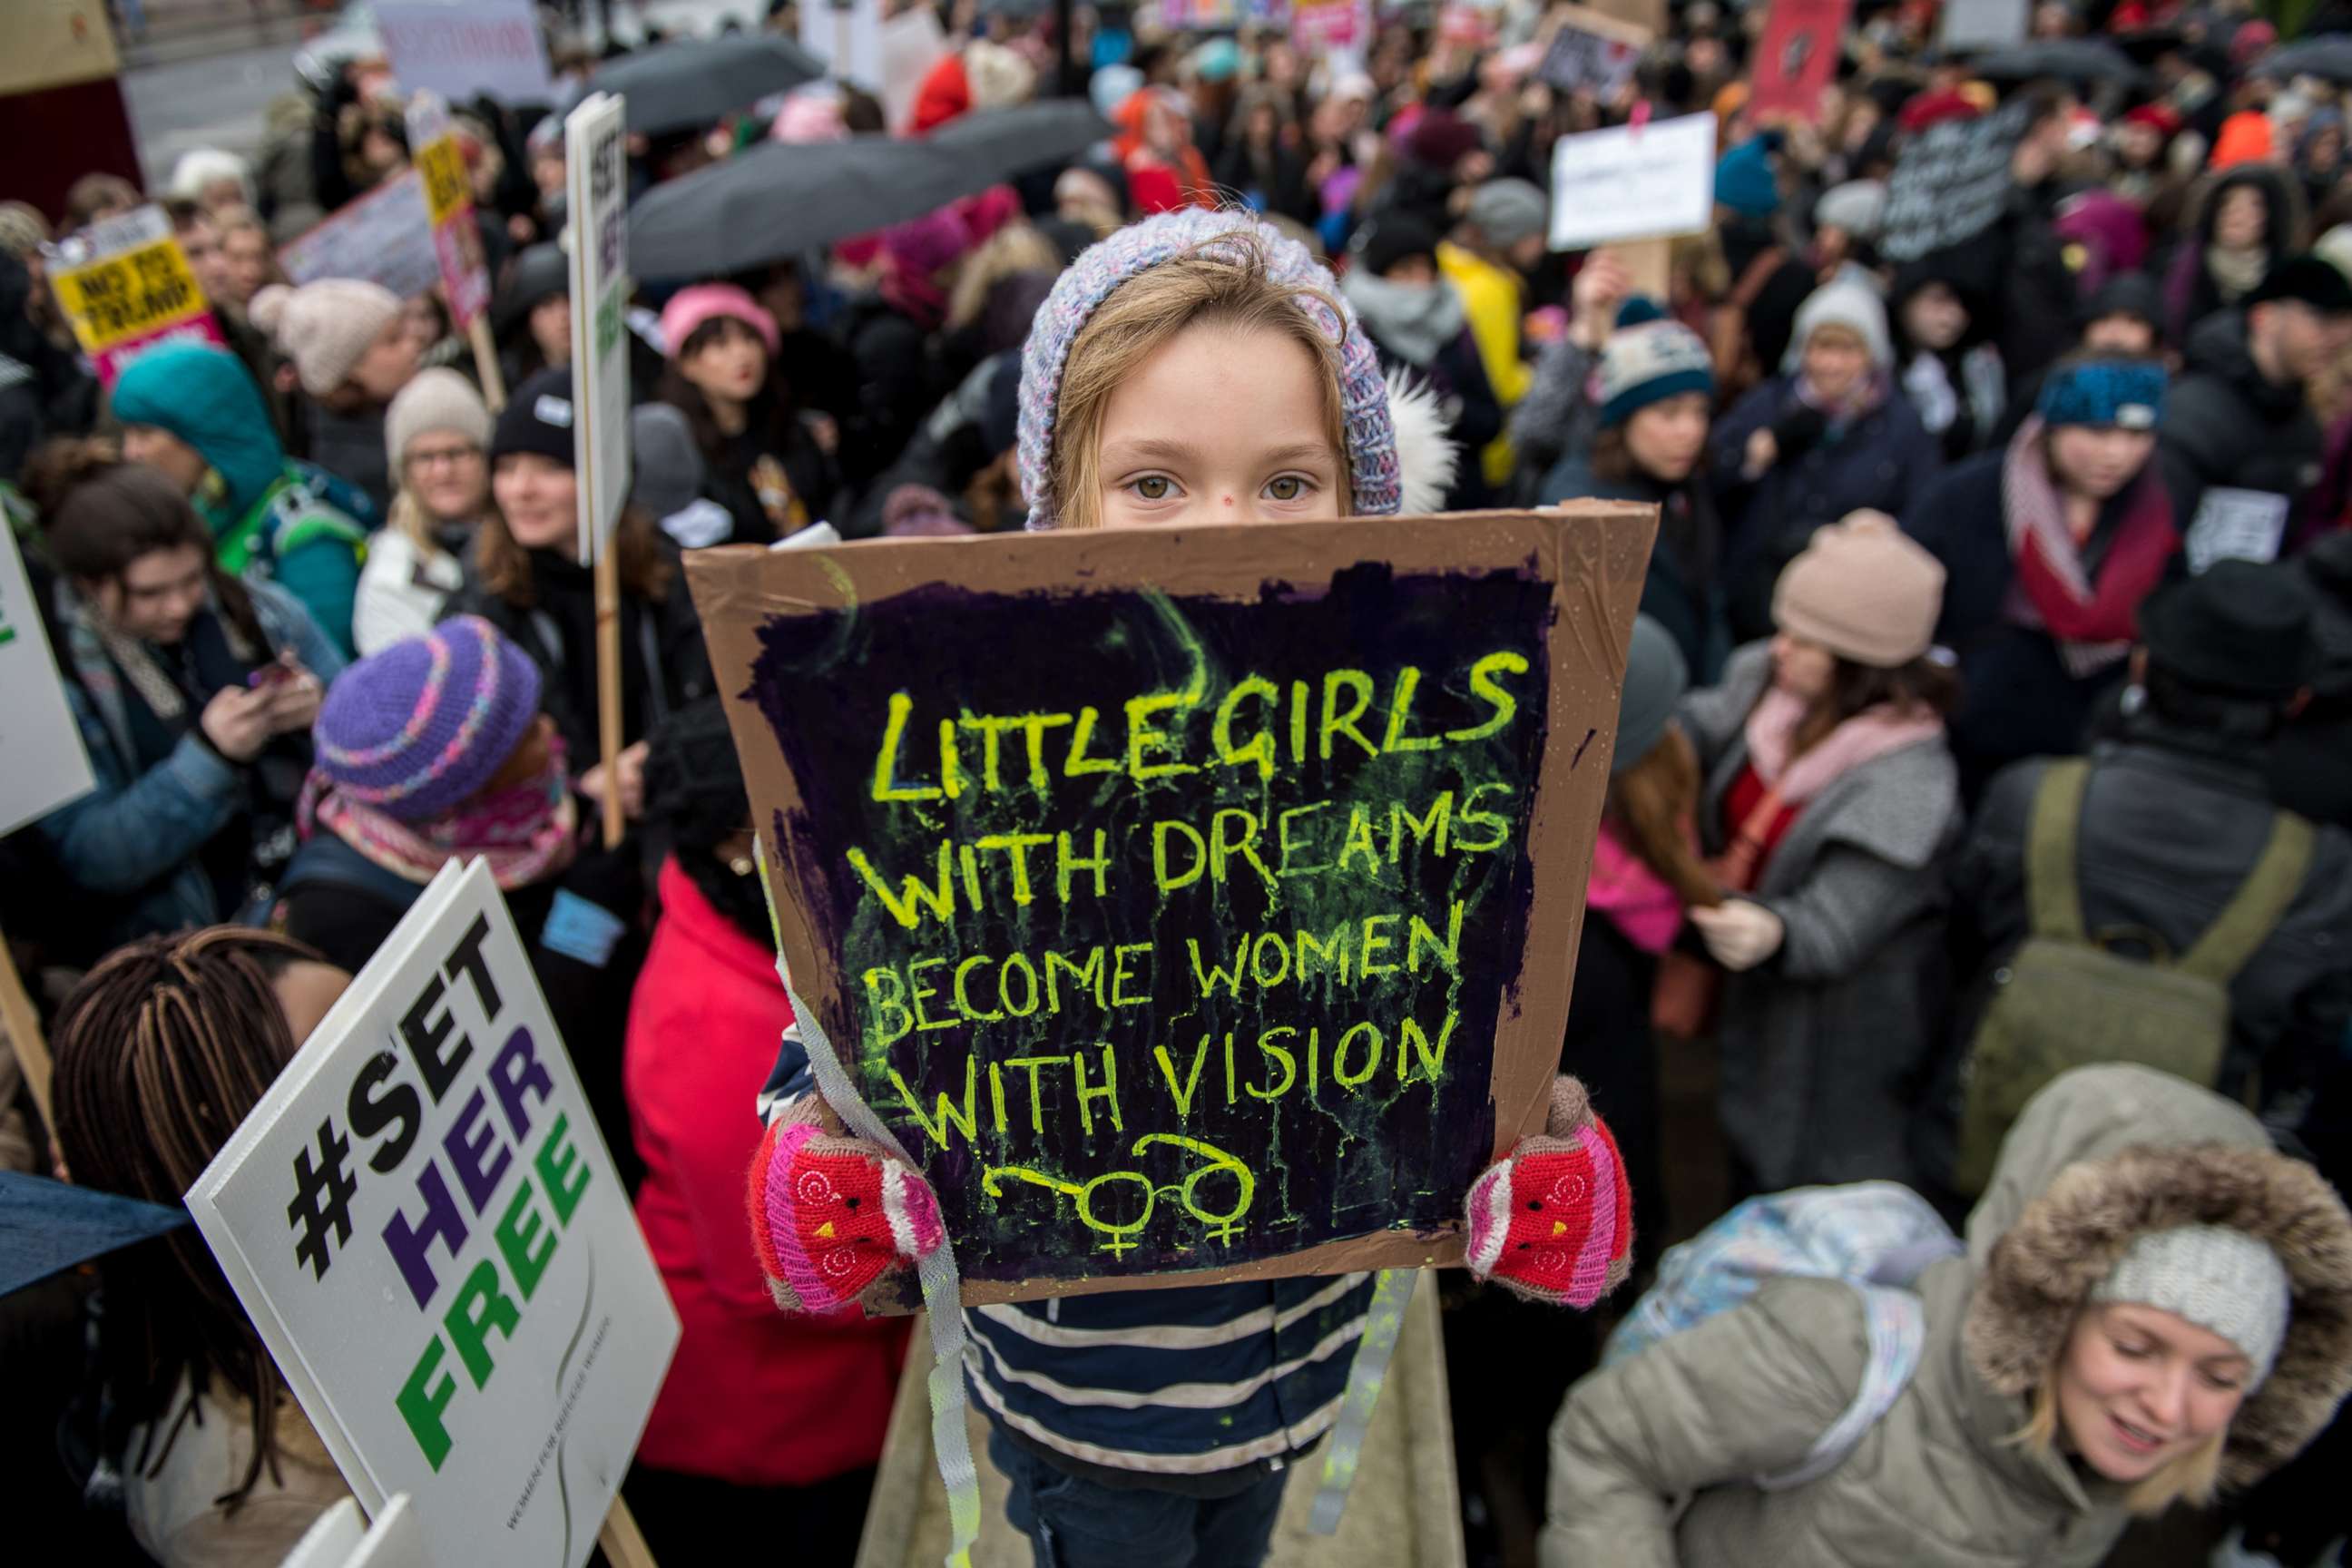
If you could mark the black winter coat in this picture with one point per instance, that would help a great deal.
(2226, 424)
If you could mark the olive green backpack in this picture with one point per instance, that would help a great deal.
(2065, 1000)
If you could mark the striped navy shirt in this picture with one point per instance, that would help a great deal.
(1186, 1382)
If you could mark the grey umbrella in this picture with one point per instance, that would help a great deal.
(2080, 60)
(693, 81)
(2329, 56)
(776, 201)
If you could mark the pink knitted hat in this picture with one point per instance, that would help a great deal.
(692, 308)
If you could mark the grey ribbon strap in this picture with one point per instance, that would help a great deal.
(1383, 1321)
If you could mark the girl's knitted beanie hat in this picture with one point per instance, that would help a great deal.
(1364, 395)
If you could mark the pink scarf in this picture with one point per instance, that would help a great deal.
(528, 833)
(1872, 732)
(1634, 897)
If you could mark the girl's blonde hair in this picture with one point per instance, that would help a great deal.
(2192, 1478)
(1228, 282)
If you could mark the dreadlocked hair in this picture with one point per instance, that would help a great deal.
(161, 1052)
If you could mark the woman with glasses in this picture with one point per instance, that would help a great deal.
(435, 434)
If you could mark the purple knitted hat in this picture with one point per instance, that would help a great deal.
(1363, 395)
(415, 730)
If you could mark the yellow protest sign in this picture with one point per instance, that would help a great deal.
(135, 292)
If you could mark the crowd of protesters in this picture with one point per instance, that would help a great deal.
(1961, 710)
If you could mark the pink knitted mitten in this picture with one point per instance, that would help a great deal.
(830, 1214)
(1554, 1220)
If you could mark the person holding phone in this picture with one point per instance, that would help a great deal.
(194, 693)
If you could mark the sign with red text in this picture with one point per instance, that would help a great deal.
(1797, 59)
(449, 209)
(483, 46)
(1322, 25)
(426, 1227)
(129, 290)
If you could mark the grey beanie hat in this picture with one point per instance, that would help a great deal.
(1507, 211)
(2211, 1276)
(668, 468)
(1656, 679)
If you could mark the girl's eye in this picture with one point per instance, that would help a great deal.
(2226, 1382)
(2130, 1351)
(1289, 487)
(1153, 487)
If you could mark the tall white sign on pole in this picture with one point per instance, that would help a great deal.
(47, 766)
(596, 170)
(426, 1227)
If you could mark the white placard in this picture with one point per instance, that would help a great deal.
(423, 1222)
(1982, 24)
(912, 43)
(491, 47)
(385, 236)
(596, 175)
(342, 1538)
(1648, 182)
(2235, 525)
(846, 35)
(47, 766)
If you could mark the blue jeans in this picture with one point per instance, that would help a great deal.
(1072, 1522)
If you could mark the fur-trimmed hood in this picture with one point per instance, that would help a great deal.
(2105, 1154)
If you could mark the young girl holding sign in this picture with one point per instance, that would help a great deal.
(1195, 368)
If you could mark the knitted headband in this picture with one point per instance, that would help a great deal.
(2127, 394)
(1135, 250)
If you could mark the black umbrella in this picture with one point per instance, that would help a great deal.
(2081, 60)
(45, 1226)
(776, 200)
(1002, 143)
(2329, 56)
(692, 82)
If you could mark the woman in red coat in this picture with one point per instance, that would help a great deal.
(764, 1416)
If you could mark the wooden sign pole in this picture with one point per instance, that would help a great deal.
(624, 1544)
(22, 1022)
(1650, 264)
(608, 687)
(486, 362)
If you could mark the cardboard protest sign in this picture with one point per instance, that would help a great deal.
(1591, 53)
(426, 1227)
(385, 236)
(596, 178)
(46, 764)
(1192, 902)
(1325, 25)
(1983, 24)
(131, 289)
(449, 209)
(1950, 184)
(1796, 58)
(1632, 182)
(464, 51)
